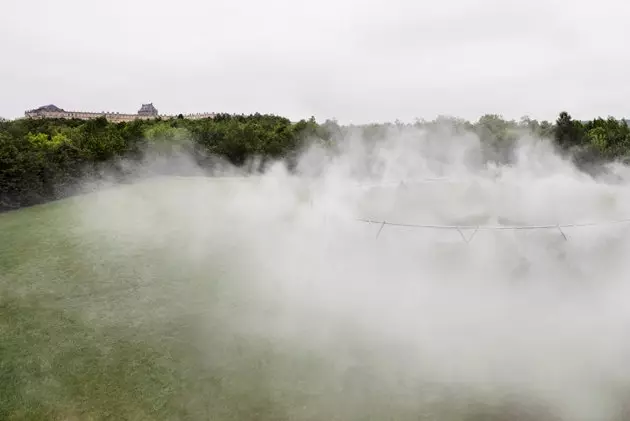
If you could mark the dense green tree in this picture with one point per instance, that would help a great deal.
(43, 159)
(498, 137)
(568, 132)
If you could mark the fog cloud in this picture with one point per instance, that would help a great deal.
(416, 322)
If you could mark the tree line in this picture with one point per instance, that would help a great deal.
(45, 159)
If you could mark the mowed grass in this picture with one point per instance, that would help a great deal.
(98, 324)
(89, 330)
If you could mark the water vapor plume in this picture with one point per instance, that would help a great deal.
(461, 312)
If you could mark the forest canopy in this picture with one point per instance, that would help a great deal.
(43, 159)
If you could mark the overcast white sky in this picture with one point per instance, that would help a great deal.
(357, 61)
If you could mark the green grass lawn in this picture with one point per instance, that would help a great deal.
(95, 327)
(109, 321)
(97, 324)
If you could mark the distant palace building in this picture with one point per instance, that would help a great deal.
(146, 112)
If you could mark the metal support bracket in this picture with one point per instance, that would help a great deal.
(562, 232)
(468, 239)
(380, 229)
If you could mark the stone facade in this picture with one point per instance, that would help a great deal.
(146, 112)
